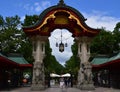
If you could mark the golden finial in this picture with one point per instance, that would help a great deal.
(61, 2)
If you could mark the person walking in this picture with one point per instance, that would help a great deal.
(62, 84)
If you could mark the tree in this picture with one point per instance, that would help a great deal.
(73, 64)
(30, 20)
(50, 62)
(9, 29)
(116, 35)
(103, 43)
(1, 31)
(13, 39)
(26, 46)
(2, 22)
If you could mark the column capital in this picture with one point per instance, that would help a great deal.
(83, 39)
(40, 38)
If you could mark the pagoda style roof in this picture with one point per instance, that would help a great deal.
(61, 16)
(106, 62)
(19, 60)
(99, 60)
(13, 61)
(5, 62)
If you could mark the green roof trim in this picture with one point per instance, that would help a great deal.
(101, 60)
(115, 57)
(2, 55)
(19, 60)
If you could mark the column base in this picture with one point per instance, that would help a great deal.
(87, 87)
(37, 87)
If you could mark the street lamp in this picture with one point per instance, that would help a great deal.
(61, 47)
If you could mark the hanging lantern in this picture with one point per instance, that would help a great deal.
(61, 47)
(56, 44)
(66, 45)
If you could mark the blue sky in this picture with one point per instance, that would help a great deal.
(20, 7)
(99, 13)
(104, 12)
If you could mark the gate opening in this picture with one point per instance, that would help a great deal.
(57, 37)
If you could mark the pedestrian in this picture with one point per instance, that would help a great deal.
(62, 84)
(66, 82)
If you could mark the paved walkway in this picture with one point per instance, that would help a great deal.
(57, 89)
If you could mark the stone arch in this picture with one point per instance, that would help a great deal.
(61, 16)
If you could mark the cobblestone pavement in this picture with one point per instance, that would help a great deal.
(57, 89)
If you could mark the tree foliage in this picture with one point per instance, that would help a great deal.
(116, 36)
(103, 43)
(50, 62)
(9, 27)
(30, 20)
(73, 64)
(13, 39)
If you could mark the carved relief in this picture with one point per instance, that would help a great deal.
(38, 73)
(81, 75)
(85, 74)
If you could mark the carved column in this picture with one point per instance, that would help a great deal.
(38, 80)
(84, 74)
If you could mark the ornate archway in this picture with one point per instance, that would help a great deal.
(61, 16)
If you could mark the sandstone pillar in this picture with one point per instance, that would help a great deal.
(38, 80)
(85, 73)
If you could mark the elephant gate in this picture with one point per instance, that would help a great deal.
(61, 16)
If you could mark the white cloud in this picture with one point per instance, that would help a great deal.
(37, 6)
(26, 6)
(46, 4)
(101, 19)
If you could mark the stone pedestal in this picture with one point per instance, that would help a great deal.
(38, 81)
(37, 87)
(85, 77)
(87, 87)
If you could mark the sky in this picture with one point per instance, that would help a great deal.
(99, 13)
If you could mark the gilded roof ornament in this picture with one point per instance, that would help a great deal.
(61, 3)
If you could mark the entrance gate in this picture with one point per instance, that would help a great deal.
(61, 16)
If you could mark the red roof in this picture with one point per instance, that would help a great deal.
(115, 64)
(25, 65)
(103, 62)
(5, 62)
